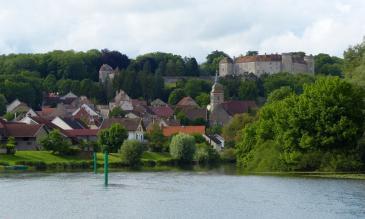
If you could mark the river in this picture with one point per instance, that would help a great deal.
(178, 194)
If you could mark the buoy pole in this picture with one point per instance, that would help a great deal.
(95, 159)
(106, 166)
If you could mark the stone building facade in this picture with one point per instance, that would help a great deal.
(106, 72)
(269, 64)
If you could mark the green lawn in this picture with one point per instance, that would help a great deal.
(156, 156)
(44, 156)
(48, 157)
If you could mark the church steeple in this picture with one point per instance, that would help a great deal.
(217, 94)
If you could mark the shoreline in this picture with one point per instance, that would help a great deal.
(223, 168)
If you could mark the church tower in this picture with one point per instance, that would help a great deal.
(217, 94)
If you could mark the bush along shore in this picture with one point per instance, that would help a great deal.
(45, 160)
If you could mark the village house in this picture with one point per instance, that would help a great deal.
(17, 108)
(134, 127)
(26, 136)
(215, 140)
(121, 100)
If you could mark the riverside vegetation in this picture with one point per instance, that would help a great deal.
(306, 122)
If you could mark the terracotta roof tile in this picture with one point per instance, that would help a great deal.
(187, 101)
(171, 130)
(259, 58)
(22, 130)
(81, 132)
(129, 124)
(236, 106)
(162, 111)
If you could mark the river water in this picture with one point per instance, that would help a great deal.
(178, 194)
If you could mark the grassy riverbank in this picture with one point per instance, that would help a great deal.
(48, 160)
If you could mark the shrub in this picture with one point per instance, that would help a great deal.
(228, 155)
(206, 154)
(156, 139)
(3, 163)
(199, 138)
(56, 143)
(10, 146)
(182, 147)
(131, 152)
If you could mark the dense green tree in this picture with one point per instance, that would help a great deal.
(176, 95)
(328, 65)
(231, 132)
(280, 94)
(191, 67)
(317, 129)
(114, 59)
(156, 139)
(203, 99)
(3, 103)
(354, 64)
(49, 83)
(131, 152)
(56, 143)
(182, 147)
(295, 81)
(212, 61)
(112, 138)
(205, 154)
(194, 87)
(116, 112)
(170, 68)
(248, 90)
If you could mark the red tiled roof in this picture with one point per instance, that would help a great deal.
(187, 101)
(47, 110)
(259, 58)
(162, 111)
(22, 130)
(171, 130)
(129, 124)
(236, 106)
(194, 113)
(44, 121)
(136, 102)
(81, 132)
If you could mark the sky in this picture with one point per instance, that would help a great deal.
(186, 27)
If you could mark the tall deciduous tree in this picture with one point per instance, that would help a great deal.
(112, 138)
(182, 147)
(2, 104)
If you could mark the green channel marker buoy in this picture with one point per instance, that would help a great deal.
(106, 166)
(95, 159)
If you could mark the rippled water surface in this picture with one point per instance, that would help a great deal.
(178, 195)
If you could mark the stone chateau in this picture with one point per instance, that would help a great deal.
(270, 64)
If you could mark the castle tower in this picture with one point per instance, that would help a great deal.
(104, 72)
(310, 63)
(287, 62)
(217, 94)
(226, 66)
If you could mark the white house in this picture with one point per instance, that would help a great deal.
(134, 127)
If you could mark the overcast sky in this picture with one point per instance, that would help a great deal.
(185, 27)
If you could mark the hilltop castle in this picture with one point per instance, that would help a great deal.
(270, 64)
(106, 72)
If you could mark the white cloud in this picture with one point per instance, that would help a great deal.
(189, 28)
